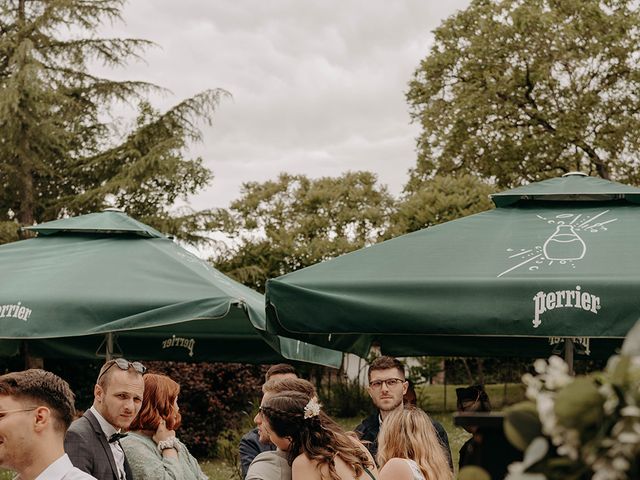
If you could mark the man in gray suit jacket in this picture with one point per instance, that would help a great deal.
(92, 441)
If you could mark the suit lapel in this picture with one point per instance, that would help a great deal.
(103, 441)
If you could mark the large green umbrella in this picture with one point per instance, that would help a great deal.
(556, 259)
(106, 275)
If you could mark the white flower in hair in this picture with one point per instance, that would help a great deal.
(312, 409)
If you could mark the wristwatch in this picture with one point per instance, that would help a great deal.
(168, 443)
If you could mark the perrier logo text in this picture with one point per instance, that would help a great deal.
(15, 311)
(544, 302)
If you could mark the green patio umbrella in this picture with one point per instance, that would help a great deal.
(107, 276)
(556, 259)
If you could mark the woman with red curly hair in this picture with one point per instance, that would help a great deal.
(152, 448)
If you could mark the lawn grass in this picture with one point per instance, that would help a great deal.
(438, 398)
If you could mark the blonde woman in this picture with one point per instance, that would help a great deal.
(409, 449)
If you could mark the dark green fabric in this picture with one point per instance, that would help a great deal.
(570, 187)
(64, 291)
(467, 287)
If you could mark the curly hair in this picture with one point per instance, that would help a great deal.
(158, 403)
(319, 437)
(409, 433)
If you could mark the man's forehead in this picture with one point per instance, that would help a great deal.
(6, 401)
(125, 381)
(386, 373)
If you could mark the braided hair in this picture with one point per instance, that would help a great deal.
(317, 436)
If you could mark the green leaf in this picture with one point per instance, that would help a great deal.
(579, 405)
(473, 473)
(522, 425)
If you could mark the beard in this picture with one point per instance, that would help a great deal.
(387, 407)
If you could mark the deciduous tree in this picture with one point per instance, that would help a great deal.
(439, 199)
(282, 225)
(522, 90)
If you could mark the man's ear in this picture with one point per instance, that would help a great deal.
(98, 393)
(42, 418)
(405, 387)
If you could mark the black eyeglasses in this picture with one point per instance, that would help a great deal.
(390, 382)
(124, 364)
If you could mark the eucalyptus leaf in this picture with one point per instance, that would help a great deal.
(579, 405)
(473, 472)
(522, 425)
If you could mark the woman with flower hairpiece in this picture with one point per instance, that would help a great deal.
(409, 448)
(317, 447)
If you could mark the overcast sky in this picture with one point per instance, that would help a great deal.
(318, 86)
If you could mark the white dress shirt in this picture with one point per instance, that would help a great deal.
(116, 448)
(62, 469)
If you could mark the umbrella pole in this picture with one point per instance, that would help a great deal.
(109, 347)
(568, 354)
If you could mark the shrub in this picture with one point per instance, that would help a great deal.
(214, 397)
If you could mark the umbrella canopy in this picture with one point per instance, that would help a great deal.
(556, 259)
(106, 273)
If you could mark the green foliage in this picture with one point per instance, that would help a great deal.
(214, 397)
(60, 154)
(589, 425)
(428, 202)
(227, 450)
(521, 424)
(516, 90)
(346, 398)
(282, 225)
(426, 370)
(9, 232)
(579, 404)
(473, 473)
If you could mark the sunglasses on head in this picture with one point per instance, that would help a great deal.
(124, 364)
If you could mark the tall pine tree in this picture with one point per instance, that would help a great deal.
(59, 153)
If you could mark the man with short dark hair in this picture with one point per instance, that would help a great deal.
(253, 443)
(387, 386)
(92, 441)
(36, 408)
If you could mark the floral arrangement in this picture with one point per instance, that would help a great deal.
(585, 427)
(312, 409)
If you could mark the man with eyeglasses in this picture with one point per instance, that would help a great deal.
(387, 386)
(92, 441)
(36, 408)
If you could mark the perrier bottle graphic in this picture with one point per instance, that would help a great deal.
(564, 244)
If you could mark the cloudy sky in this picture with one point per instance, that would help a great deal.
(317, 86)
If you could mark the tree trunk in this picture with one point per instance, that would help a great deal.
(480, 370)
(468, 370)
